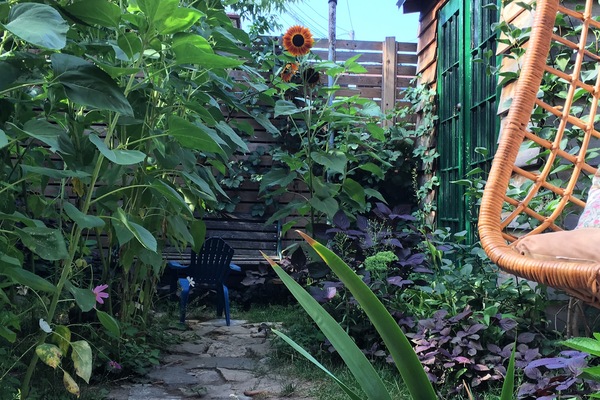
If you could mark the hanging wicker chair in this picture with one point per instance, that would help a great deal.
(521, 200)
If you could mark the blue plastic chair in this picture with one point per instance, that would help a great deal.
(209, 269)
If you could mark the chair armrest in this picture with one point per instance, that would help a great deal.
(235, 267)
(175, 264)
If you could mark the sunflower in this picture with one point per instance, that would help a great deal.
(311, 76)
(298, 40)
(288, 71)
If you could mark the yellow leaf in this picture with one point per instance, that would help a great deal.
(49, 354)
(70, 384)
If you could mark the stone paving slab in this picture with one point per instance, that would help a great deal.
(213, 362)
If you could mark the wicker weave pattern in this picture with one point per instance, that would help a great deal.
(504, 209)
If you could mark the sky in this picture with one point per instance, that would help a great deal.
(371, 20)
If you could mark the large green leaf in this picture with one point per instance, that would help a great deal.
(508, 387)
(88, 85)
(355, 191)
(96, 12)
(81, 219)
(285, 107)
(202, 185)
(49, 354)
(9, 74)
(139, 232)
(353, 357)
(85, 298)
(3, 139)
(53, 173)
(372, 168)
(227, 130)
(587, 345)
(198, 230)
(109, 323)
(43, 131)
(82, 359)
(194, 49)
(313, 360)
(180, 20)
(47, 243)
(131, 45)
(121, 157)
(328, 206)
(38, 24)
(333, 160)
(7, 334)
(27, 278)
(277, 177)
(171, 195)
(400, 349)
(193, 136)
(157, 10)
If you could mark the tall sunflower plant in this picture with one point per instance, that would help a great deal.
(330, 141)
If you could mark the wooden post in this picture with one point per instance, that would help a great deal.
(388, 85)
(331, 54)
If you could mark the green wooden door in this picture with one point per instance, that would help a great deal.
(467, 106)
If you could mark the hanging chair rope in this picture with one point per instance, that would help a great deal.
(506, 212)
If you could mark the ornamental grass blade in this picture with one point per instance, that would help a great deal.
(400, 349)
(508, 387)
(313, 360)
(353, 357)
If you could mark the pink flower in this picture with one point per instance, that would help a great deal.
(114, 366)
(100, 294)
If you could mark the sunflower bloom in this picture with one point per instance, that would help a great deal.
(288, 71)
(298, 40)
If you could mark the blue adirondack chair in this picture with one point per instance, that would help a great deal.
(209, 270)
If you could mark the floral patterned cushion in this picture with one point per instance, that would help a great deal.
(590, 218)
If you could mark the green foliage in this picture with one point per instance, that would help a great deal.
(111, 130)
(380, 262)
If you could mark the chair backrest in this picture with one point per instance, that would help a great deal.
(519, 201)
(211, 265)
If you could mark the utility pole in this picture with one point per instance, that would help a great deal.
(331, 56)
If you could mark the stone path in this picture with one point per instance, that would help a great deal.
(215, 361)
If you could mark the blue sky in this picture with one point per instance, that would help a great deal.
(370, 19)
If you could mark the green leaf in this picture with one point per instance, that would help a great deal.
(109, 323)
(587, 345)
(227, 130)
(120, 157)
(157, 10)
(285, 107)
(190, 48)
(355, 191)
(49, 354)
(85, 298)
(591, 373)
(277, 177)
(313, 360)
(53, 173)
(88, 85)
(47, 243)
(81, 219)
(333, 160)
(353, 357)
(9, 74)
(400, 349)
(61, 336)
(7, 334)
(43, 131)
(139, 232)
(171, 195)
(27, 278)
(508, 387)
(198, 230)
(192, 136)
(38, 24)
(328, 206)
(202, 185)
(374, 193)
(376, 131)
(372, 168)
(96, 12)
(181, 19)
(3, 138)
(82, 359)
(131, 45)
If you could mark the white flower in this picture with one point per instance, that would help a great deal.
(22, 290)
(191, 281)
